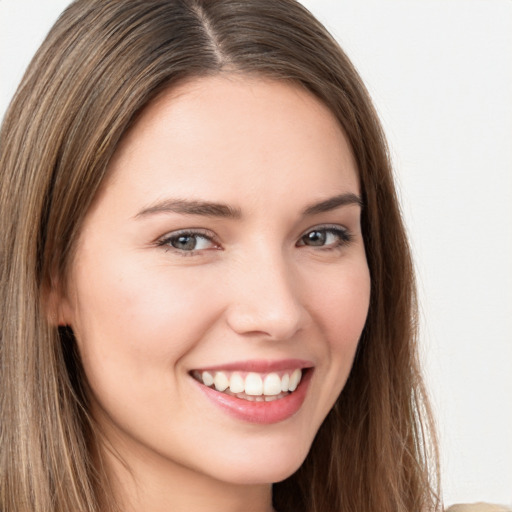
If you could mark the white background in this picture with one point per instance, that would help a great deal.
(440, 73)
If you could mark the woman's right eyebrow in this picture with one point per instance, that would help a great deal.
(191, 207)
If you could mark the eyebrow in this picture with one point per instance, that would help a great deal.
(188, 207)
(332, 203)
(220, 210)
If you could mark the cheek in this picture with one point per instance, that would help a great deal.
(135, 320)
(340, 310)
(342, 305)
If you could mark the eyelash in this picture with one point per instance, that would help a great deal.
(343, 238)
(186, 233)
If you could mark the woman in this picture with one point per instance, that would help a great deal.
(180, 331)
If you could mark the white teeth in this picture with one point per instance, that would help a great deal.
(294, 380)
(207, 378)
(253, 384)
(221, 381)
(272, 384)
(236, 383)
(285, 382)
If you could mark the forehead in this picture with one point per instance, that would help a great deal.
(245, 132)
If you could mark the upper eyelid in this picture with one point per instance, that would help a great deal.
(188, 231)
(326, 227)
(162, 240)
(341, 231)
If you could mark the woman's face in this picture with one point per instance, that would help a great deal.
(224, 246)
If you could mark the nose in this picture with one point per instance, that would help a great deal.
(265, 299)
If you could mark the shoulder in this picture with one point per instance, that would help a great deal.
(478, 507)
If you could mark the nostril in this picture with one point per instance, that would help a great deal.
(270, 320)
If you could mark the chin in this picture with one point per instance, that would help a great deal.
(262, 466)
(262, 473)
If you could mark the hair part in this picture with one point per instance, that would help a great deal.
(100, 65)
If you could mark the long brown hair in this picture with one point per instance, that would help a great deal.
(100, 65)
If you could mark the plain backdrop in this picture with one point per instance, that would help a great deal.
(440, 73)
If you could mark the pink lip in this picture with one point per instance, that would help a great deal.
(260, 366)
(260, 412)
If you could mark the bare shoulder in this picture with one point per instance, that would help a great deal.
(479, 507)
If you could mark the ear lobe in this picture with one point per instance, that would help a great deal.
(56, 305)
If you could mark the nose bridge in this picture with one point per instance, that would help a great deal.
(265, 297)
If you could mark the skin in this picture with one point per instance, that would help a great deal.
(146, 314)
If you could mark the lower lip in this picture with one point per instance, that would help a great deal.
(260, 412)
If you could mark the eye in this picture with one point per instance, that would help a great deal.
(328, 237)
(188, 242)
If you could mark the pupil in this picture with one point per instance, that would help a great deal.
(316, 238)
(185, 242)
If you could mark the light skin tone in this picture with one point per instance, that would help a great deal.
(278, 271)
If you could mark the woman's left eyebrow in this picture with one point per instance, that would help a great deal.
(332, 203)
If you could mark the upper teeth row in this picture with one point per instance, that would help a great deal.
(254, 383)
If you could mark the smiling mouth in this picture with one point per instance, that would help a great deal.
(252, 386)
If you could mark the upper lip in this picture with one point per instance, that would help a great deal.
(260, 365)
